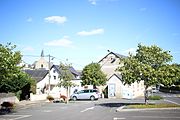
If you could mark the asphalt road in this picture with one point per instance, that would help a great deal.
(170, 98)
(88, 110)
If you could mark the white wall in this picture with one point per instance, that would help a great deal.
(12, 99)
(45, 81)
(125, 91)
(43, 62)
(107, 67)
(118, 86)
(35, 97)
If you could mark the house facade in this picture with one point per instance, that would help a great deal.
(47, 75)
(43, 81)
(115, 86)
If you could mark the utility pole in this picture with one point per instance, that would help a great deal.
(49, 65)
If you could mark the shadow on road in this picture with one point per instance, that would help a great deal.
(112, 105)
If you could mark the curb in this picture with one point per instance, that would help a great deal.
(149, 109)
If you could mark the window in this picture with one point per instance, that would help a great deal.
(54, 71)
(95, 91)
(86, 91)
(113, 60)
(41, 65)
(54, 77)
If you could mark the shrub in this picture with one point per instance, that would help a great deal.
(7, 104)
(49, 97)
(155, 97)
(6, 107)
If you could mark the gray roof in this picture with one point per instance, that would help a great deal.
(73, 71)
(38, 75)
(116, 54)
(119, 55)
(119, 76)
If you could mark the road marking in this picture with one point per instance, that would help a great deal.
(17, 117)
(157, 117)
(91, 108)
(24, 116)
(119, 118)
(47, 111)
(171, 101)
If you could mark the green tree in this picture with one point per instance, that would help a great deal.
(150, 64)
(92, 75)
(169, 74)
(66, 78)
(12, 79)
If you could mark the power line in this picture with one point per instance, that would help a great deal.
(65, 61)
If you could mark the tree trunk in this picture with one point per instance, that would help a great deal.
(67, 99)
(146, 95)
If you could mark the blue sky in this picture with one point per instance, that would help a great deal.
(83, 30)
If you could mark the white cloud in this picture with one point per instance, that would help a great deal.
(93, 2)
(28, 48)
(64, 42)
(92, 32)
(56, 19)
(29, 19)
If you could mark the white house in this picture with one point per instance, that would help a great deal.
(115, 86)
(43, 81)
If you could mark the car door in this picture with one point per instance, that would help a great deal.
(84, 94)
(80, 94)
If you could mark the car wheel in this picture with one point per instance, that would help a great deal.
(92, 98)
(74, 98)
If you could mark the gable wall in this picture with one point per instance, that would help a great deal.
(43, 62)
(108, 66)
(118, 86)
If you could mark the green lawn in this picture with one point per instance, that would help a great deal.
(152, 106)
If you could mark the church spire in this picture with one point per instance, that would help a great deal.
(42, 53)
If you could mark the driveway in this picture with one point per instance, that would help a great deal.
(103, 109)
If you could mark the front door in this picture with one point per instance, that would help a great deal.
(111, 91)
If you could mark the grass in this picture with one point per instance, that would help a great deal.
(153, 106)
(155, 97)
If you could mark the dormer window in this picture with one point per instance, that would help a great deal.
(113, 60)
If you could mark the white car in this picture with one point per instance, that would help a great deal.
(154, 90)
(91, 94)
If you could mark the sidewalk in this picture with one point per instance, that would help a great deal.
(141, 101)
(133, 109)
(27, 103)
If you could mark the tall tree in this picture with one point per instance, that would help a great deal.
(12, 79)
(92, 75)
(150, 64)
(66, 78)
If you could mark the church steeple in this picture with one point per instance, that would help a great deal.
(42, 53)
